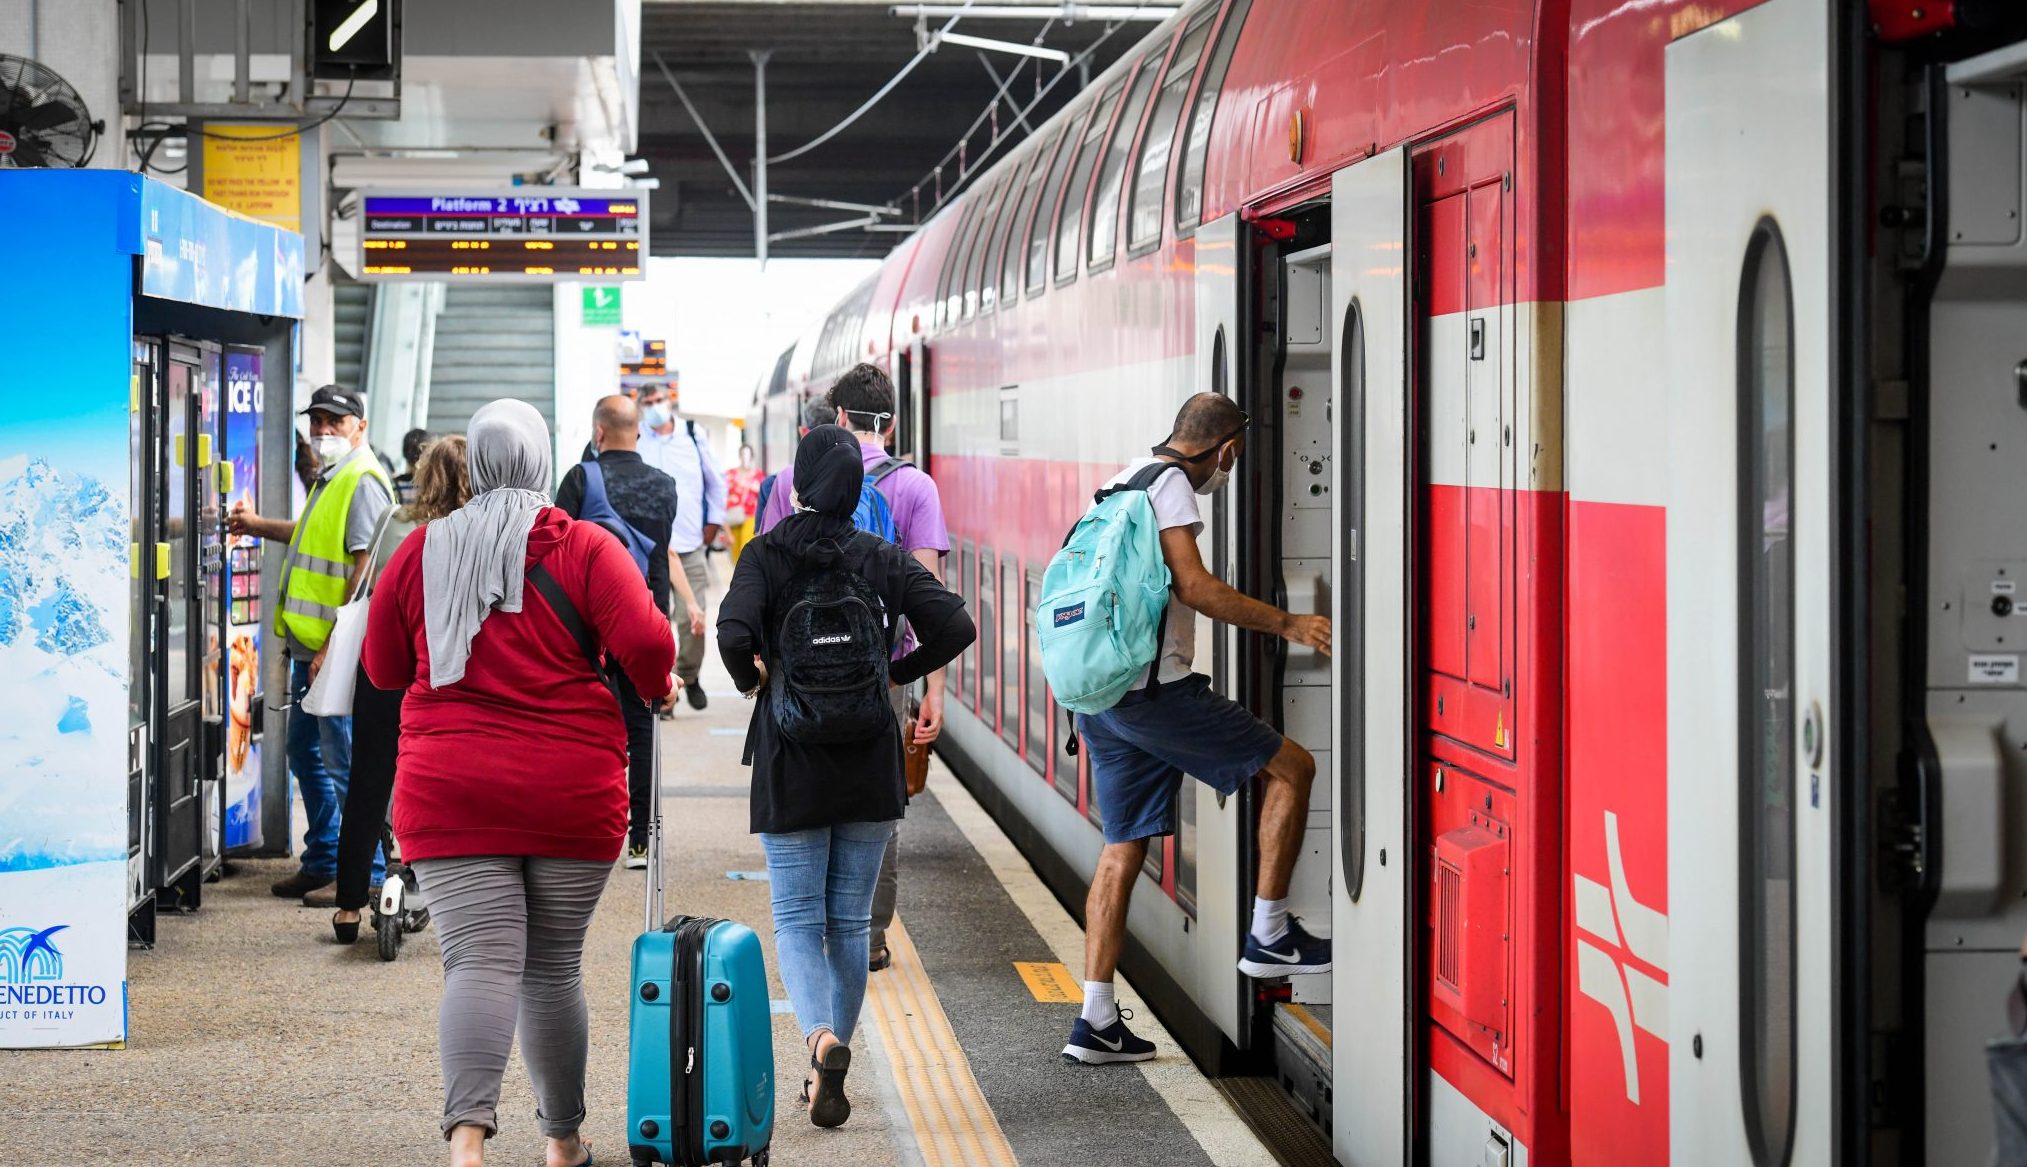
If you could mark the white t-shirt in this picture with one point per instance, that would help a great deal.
(1175, 505)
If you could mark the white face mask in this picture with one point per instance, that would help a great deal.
(1216, 481)
(331, 448)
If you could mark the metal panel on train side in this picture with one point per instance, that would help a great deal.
(1372, 1078)
(1748, 1009)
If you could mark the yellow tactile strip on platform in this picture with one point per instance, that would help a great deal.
(1050, 982)
(953, 1125)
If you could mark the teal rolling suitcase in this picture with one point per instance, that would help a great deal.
(700, 1077)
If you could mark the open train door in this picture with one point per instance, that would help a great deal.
(1372, 1073)
(1754, 776)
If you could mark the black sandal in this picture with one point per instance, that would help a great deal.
(882, 962)
(347, 932)
(828, 1106)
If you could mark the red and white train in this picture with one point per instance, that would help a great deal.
(1640, 385)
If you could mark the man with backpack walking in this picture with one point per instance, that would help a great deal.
(637, 503)
(1147, 719)
(674, 445)
(904, 507)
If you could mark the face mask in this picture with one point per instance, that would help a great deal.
(654, 416)
(331, 448)
(1215, 482)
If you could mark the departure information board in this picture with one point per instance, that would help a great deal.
(525, 234)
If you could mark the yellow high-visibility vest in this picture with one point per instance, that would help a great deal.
(318, 567)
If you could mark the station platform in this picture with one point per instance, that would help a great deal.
(257, 1040)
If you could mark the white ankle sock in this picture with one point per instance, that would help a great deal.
(1100, 1007)
(1270, 919)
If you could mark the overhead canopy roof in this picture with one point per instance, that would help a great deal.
(824, 61)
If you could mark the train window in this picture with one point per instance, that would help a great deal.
(1144, 212)
(1038, 228)
(987, 644)
(1189, 189)
(950, 263)
(995, 249)
(974, 251)
(1766, 410)
(1010, 652)
(1038, 685)
(966, 665)
(1104, 232)
(1080, 184)
(1017, 228)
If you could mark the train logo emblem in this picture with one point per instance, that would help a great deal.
(28, 956)
(1621, 931)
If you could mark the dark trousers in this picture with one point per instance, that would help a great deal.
(376, 737)
(640, 759)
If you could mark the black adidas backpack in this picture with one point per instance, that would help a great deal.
(831, 652)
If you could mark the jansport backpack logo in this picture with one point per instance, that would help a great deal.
(830, 683)
(1105, 598)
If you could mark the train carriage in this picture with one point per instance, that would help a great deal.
(1636, 385)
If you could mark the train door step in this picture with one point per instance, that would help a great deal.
(1302, 1058)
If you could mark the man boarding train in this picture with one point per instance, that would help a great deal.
(1169, 723)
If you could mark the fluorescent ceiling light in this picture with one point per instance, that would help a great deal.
(1071, 12)
(980, 42)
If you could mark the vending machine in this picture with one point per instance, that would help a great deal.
(131, 665)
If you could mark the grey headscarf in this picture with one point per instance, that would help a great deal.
(475, 559)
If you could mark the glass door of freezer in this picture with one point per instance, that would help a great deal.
(179, 809)
(144, 503)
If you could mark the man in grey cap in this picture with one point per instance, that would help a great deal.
(329, 546)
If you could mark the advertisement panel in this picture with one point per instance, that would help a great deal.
(243, 607)
(64, 627)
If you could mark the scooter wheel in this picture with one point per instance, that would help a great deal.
(389, 930)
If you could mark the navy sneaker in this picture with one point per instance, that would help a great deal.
(1101, 1047)
(1295, 952)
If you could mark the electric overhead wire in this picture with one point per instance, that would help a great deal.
(921, 55)
(964, 180)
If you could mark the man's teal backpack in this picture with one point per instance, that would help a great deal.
(1104, 603)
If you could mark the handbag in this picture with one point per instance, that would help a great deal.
(330, 695)
(914, 757)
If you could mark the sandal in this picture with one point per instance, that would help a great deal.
(347, 931)
(884, 960)
(828, 1106)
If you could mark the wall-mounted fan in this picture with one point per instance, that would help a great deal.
(43, 122)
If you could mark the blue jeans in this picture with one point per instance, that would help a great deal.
(823, 908)
(320, 754)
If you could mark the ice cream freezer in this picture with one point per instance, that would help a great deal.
(148, 389)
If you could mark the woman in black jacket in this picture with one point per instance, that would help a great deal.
(825, 809)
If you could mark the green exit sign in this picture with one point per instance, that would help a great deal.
(601, 307)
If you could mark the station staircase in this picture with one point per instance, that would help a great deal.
(492, 342)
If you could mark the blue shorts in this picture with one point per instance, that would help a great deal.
(1141, 748)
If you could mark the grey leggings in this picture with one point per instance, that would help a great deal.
(512, 929)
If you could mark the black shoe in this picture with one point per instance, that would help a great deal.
(695, 693)
(300, 884)
(1100, 1047)
(1295, 952)
(828, 1105)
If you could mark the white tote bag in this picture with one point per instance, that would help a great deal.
(330, 695)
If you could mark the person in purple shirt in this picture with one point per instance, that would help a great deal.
(863, 399)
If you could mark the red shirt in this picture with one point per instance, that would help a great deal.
(527, 754)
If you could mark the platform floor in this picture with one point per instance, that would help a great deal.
(257, 1040)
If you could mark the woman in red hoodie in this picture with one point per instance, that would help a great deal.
(510, 793)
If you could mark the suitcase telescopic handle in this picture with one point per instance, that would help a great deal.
(653, 898)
